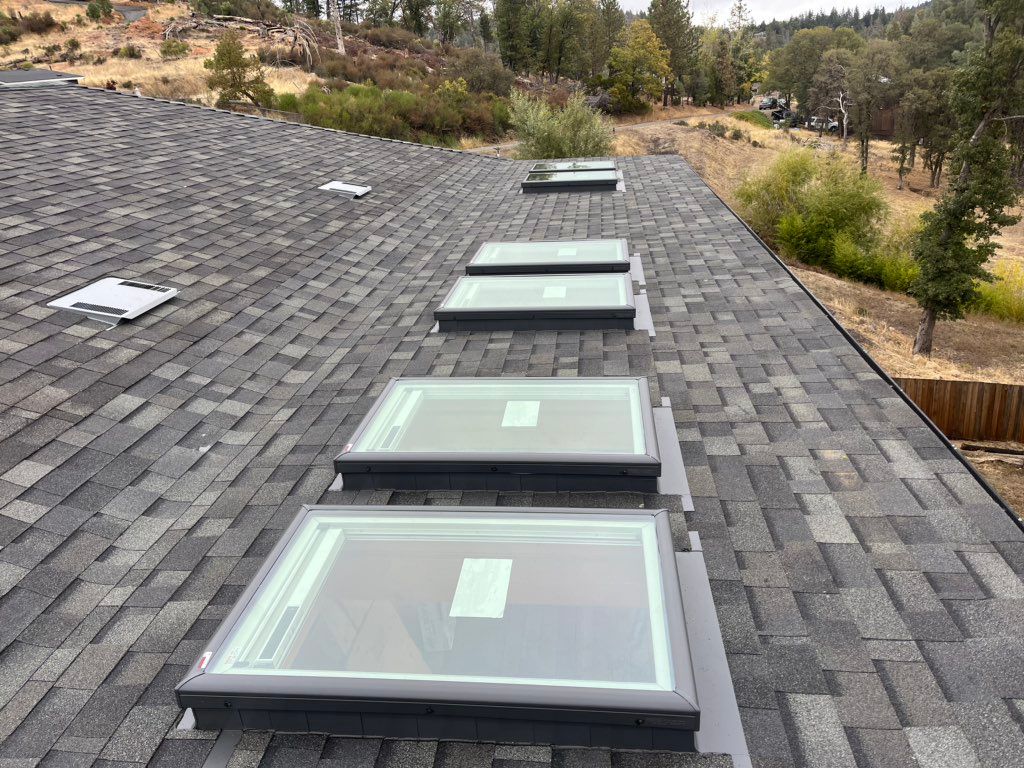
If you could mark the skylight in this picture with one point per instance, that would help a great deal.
(602, 300)
(570, 181)
(506, 434)
(112, 299)
(575, 165)
(551, 256)
(561, 626)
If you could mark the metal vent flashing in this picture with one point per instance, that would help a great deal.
(111, 299)
(355, 190)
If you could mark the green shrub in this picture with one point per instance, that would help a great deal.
(483, 72)
(128, 51)
(821, 211)
(99, 9)
(394, 37)
(754, 117)
(386, 70)
(737, 135)
(173, 49)
(12, 27)
(38, 23)
(10, 31)
(573, 131)
(716, 129)
(288, 102)
(769, 195)
(1004, 296)
(436, 117)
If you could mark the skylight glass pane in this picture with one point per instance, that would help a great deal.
(540, 292)
(514, 598)
(560, 252)
(576, 165)
(571, 177)
(508, 416)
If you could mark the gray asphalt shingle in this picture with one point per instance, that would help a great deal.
(868, 589)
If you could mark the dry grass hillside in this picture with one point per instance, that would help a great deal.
(975, 348)
(181, 78)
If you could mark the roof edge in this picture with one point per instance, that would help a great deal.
(992, 492)
(298, 125)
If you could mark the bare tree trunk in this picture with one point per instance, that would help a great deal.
(925, 334)
(339, 38)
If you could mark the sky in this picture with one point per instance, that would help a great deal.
(766, 10)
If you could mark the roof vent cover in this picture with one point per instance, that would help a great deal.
(112, 299)
(355, 190)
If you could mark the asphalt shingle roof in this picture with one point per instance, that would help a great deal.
(868, 588)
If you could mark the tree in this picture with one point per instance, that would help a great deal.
(599, 26)
(416, 16)
(235, 74)
(638, 65)
(339, 38)
(875, 80)
(791, 69)
(448, 20)
(717, 65)
(987, 95)
(672, 23)
(510, 29)
(559, 21)
(830, 89)
(486, 32)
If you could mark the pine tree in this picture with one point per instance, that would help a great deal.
(956, 242)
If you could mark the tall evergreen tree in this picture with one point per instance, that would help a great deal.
(987, 96)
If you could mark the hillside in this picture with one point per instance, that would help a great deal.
(975, 348)
(176, 78)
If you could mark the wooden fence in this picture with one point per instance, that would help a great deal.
(970, 410)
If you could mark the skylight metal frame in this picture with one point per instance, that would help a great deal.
(520, 471)
(604, 180)
(452, 318)
(387, 707)
(548, 166)
(478, 267)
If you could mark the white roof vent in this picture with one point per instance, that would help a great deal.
(350, 189)
(112, 299)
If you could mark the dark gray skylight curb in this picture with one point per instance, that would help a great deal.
(451, 317)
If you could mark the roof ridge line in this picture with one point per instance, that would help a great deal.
(285, 122)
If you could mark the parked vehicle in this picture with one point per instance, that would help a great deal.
(823, 124)
(785, 118)
(768, 103)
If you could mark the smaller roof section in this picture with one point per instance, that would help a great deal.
(535, 302)
(26, 78)
(560, 256)
(542, 434)
(111, 299)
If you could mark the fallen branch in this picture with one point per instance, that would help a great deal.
(300, 35)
